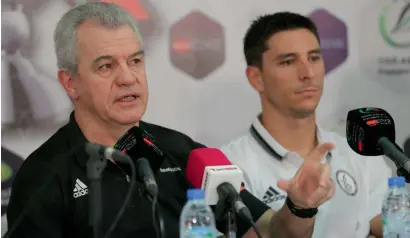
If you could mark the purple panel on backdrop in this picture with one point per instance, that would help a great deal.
(333, 37)
(197, 45)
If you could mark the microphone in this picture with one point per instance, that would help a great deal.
(140, 145)
(146, 174)
(210, 170)
(100, 151)
(95, 166)
(407, 147)
(371, 132)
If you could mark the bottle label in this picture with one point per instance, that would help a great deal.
(199, 232)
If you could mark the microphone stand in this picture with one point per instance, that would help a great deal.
(223, 212)
(402, 172)
(95, 167)
(231, 224)
(157, 219)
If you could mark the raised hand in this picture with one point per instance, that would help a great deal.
(312, 185)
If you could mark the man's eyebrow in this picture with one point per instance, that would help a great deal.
(141, 52)
(109, 57)
(288, 55)
(103, 57)
(316, 51)
(285, 55)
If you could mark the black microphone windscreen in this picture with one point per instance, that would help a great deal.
(364, 128)
(137, 143)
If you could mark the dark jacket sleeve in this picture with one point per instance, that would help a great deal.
(36, 196)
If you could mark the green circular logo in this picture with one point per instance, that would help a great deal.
(394, 25)
(6, 172)
(368, 110)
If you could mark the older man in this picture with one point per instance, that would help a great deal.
(101, 67)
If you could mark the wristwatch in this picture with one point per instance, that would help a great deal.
(300, 212)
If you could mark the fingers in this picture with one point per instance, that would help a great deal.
(325, 189)
(328, 196)
(320, 151)
(284, 185)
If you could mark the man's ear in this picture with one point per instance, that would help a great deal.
(67, 81)
(254, 75)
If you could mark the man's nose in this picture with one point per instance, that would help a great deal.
(126, 75)
(305, 70)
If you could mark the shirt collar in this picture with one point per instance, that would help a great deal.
(270, 145)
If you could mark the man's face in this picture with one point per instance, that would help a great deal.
(293, 72)
(111, 82)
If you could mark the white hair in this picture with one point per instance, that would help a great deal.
(107, 15)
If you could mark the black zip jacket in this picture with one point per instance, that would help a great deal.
(60, 209)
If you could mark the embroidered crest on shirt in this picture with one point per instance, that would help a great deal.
(272, 195)
(346, 182)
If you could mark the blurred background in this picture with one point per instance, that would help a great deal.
(196, 68)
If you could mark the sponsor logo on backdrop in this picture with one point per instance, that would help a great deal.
(197, 45)
(394, 23)
(385, 43)
(10, 163)
(333, 38)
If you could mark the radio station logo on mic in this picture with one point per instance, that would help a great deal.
(197, 45)
(369, 110)
(384, 43)
(333, 38)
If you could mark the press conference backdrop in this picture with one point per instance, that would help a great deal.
(196, 69)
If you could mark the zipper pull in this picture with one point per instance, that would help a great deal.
(127, 178)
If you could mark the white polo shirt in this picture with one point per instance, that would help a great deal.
(361, 182)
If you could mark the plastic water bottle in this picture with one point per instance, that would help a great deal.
(197, 219)
(396, 210)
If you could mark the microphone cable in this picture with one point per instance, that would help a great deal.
(257, 231)
(127, 199)
(156, 215)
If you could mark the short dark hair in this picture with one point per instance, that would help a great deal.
(265, 26)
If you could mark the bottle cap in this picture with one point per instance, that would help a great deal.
(195, 194)
(397, 181)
